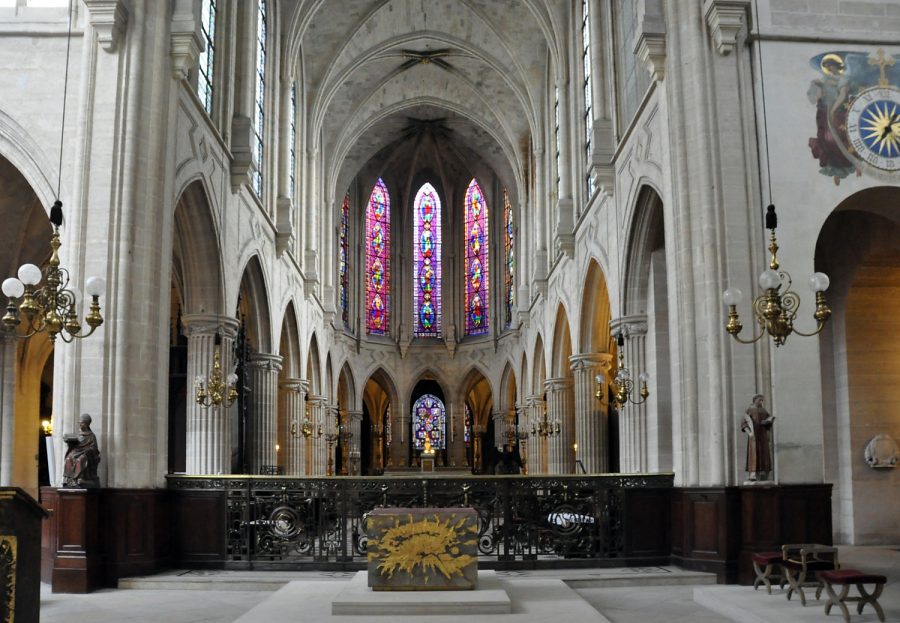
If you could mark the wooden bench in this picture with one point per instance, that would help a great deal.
(847, 578)
(802, 563)
(764, 564)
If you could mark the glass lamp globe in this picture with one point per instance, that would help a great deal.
(769, 279)
(13, 288)
(95, 286)
(732, 296)
(819, 282)
(644, 377)
(29, 274)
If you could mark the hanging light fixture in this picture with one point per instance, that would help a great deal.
(542, 425)
(623, 386)
(776, 308)
(52, 307)
(216, 391)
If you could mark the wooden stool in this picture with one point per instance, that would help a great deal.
(803, 562)
(763, 565)
(847, 578)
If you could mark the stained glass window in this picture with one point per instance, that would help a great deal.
(293, 147)
(207, 56)
(260, 98)
(556, 135)
(378, 260)
(428, 421)
(476, 260)
(427, 263)
(588, 96)
(509, 254)
(342, 261)
(467, 425)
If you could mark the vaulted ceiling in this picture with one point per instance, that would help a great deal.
(368, 67)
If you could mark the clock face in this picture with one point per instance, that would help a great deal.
(873, 127)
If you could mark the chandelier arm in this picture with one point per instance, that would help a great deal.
(750, 341)
(821, 325)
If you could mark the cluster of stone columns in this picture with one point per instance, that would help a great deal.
(591, 423)
(292, 406)
(633, 417)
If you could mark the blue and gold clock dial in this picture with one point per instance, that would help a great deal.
(873, 127)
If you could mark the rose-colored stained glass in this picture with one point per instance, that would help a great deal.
(343, 268)
(427, 263)
(509, 249)
(378, 260)
(476, 261)
(429, 418)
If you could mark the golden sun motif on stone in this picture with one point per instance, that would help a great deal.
(880, 125)
(430, 543)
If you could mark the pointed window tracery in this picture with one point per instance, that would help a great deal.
(260, 98)
(509, 254)
(476, 261)
(427, 263)
(343, 268)
(378, 260)
(429, 418)
(208, 55)
(588, 95)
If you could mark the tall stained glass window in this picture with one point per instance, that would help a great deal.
(556, 136)
(588, 96)
(293, 147)
(207, 56)
(342, 261)
(378, 260)
(476, 260)
(429, 418)
(259, 116)
(427, 263)
(509, 255)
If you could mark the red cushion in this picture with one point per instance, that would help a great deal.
(766, 558)
(851, 576)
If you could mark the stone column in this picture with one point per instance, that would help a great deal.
(564, 238)
(8, 348)
(632, 417)
(355, 418)
(537, 443)
(591, 432)
(292, 393)
(499, 418)
(263, 372)
(560, 408)
(208, 437)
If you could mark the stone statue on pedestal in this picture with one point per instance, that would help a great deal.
(82, 457)
(757, 423)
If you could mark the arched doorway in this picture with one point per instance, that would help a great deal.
(859, 248)
(428, 419)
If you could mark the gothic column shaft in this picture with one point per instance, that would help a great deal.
(263, 383)
(633, 440)
(290, 425)
(560, 408)
(8, 349)
(208, 435)
(355, 418)
(499, 418)
(537, 442)
(591, 426)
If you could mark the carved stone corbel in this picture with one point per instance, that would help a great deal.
(108, 19)
(186, 40)
(650, 39)
(725, 19)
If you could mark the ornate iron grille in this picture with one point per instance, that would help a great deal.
(283, 521)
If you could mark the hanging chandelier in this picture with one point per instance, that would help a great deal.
(776, 308)
(216, 391)
(623, 385)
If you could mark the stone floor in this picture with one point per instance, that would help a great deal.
(649, 594)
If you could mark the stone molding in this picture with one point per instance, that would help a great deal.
(284, 226)
(108, 19)
(264, 361)
(650, 39)
(586, 361)
(725, 19)
(292, 385)
(186, 40)
(558, 384)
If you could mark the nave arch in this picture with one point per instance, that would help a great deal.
(476, 398)
(381, 409)
(858, 247)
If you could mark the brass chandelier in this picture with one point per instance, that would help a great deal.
(542, 425)
(216, 390)
(776, 308)
(52, 307)
(623, 385)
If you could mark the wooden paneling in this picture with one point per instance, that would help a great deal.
(136, 541)
(77, 559)
(198, 528)
(645, 520)
(708, 524)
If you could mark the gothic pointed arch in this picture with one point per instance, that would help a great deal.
(253, 307)
(594, 333)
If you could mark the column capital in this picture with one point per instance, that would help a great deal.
(633, 325)
(199, 325)
(293, 385)
(355, 416)
(499, 416)
(590, 361)
(264, 361)
(558, 384)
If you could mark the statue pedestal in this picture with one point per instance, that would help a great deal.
(422, 549)
(76, 555)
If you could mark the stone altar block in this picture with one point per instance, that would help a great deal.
(422, 549)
